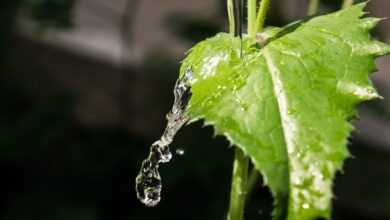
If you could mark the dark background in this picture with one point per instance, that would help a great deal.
(84, 88)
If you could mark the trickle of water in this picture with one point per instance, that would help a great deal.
(148, 181)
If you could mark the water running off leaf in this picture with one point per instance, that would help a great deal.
(148, 181)
(287, 103)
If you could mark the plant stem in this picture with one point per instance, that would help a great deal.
(239, 186)
(252, 10)
(252, 181)
(261, 15)
(313, 7)
(230, 9)
(347, 3)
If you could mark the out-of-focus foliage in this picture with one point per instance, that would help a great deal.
(45, 13)
(50, 13)
(194, 29)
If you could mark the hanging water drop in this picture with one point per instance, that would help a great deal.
(148, 184)
(148, 181)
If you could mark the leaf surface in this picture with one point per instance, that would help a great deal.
(288, 105)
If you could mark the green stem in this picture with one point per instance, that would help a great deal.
(252, 181)
(347, 3)
(239, 186)
(230, 9)
(261, 15)
(313, 7)
(252, 10)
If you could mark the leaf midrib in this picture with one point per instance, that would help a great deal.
(288, 123)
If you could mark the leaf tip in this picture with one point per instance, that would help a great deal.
(374, 48)
(361, 5)
(369, 23)
(379, 48)
(360, 92)
(354, 10)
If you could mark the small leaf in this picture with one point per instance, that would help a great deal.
(288, 104)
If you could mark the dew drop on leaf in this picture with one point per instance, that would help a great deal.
(148, 181)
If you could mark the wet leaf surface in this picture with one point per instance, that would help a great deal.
(289, 104)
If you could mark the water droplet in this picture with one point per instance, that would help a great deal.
(243, 105)
(297, 181)
(180, 151)
(148, 181)
(148, 185)
(291, 111)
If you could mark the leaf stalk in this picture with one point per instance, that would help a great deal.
(252, 11)
(253, 179)
(313, 7)
(230, 9)
(239, 186)
(261, 15)
(347, 3)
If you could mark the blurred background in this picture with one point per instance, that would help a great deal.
(85, 86)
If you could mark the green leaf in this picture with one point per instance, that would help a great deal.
(288, 104)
